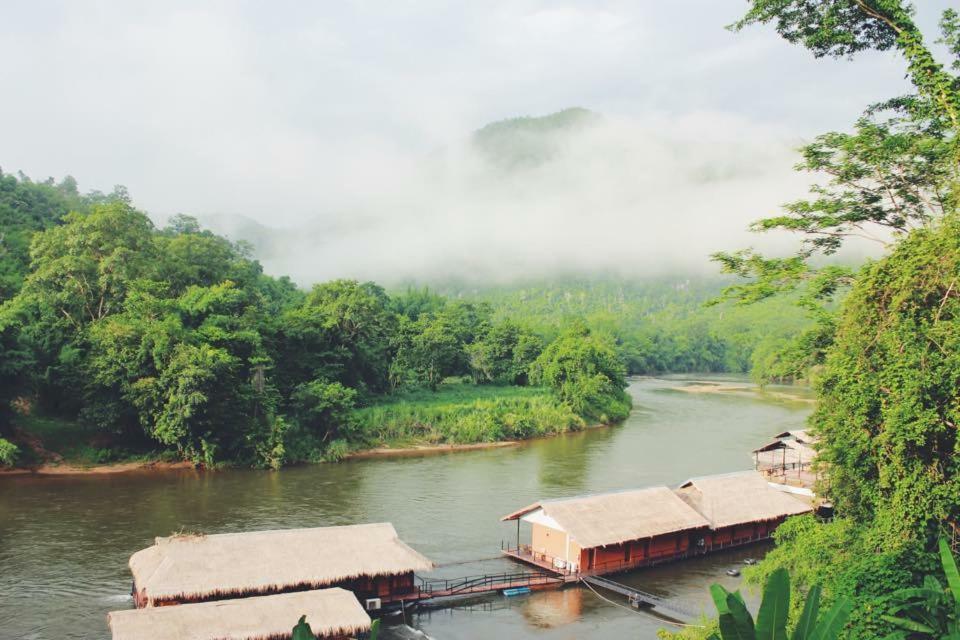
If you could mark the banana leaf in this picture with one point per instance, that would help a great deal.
(772, 617)
(830, 625)
(808, 619)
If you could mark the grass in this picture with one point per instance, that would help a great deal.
(75, 444)
(465, 414)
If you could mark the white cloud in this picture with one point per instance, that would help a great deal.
(319, 113)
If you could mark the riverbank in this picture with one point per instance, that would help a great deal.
(66, 469)
(462, 414)
(456, 417)
(789, 394)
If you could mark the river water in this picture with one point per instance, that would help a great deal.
(65, 541)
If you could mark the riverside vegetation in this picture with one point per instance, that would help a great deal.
(885, 338)
(121, 339)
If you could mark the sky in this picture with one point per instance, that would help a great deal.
(349, 123)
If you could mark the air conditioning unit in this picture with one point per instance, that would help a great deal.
(373, 604)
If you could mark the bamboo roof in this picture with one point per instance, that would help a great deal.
(330, 613)
(738, 498)
(612, 518)
(198, 567)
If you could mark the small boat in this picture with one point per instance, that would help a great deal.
(749, 561)
(516, 591)
(733, 572)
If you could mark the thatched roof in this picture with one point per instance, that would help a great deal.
(330, 612)
(738, 498)
(193, 568)
(781, 452)
(800, 435)
(612, 518)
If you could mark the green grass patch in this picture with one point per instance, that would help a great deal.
(75, 443)
(465, 414)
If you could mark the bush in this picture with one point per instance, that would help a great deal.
(8, 453)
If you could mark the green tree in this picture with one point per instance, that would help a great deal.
(325, 409)
(584, 370)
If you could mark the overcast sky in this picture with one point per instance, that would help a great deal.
(308, 111)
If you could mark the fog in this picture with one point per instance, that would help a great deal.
(338, 136)
(625, 195)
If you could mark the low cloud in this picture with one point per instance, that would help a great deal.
(634, 196)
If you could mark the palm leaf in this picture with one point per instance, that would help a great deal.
(772, 617)
(829, 626)
(808, 619)
(374, 629)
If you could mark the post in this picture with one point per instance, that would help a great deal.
(518, 535)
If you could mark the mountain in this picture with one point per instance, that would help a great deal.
(530, 141)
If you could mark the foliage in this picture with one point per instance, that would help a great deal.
(141, 337)
(324, 408)
(736, 622)
(8, 453)
(25, 208)
(658, 324)
(302, 630)
(464, 414)
(886, 355)
(929, 611)
(888, 410)
(585, 372)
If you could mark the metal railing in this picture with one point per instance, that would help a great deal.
(470, 584)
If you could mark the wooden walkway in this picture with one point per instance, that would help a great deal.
(638, 597)
(436, 588)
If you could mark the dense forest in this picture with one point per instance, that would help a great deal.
(174, 337)
(884, 337)
(660, 325)
(120, 338)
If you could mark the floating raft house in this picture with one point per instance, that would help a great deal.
(607, 532)
(741, 507)
(618, 531)
(368, 559)
(331, 613)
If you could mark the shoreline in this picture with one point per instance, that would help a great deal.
(379, 452)
(67, 469)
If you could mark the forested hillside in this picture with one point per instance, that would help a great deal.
(885, 335)
(664, 324)
(134, 337)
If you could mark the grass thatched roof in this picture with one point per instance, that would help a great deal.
(194, 568)
(612, 518)
(738, 498)
(781, 452)
(330, 613)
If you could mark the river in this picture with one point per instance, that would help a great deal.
(65, 541)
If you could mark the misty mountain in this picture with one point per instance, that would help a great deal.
(531, 141)
(568, 193)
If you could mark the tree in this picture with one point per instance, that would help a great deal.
(359, 325)
(324, 408)
(584, 370)
(503, 354)
(889, 373)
